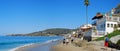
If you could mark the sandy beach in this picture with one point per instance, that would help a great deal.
(38, 47)
(59, 46)
(86, 46)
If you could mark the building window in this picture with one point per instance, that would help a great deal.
(115, 25)
(108, 25)
(111, 25)
(104, 25)
(101, 26)
(118, 12)
(118, 25)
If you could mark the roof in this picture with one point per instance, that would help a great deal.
(98, 16)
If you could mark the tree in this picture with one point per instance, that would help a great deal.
(118, 6)
(87, 4)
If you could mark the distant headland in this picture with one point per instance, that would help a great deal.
(47, 32)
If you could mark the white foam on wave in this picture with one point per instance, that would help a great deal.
(21, 47)
(49, 41)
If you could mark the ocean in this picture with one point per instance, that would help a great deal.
(10, 43)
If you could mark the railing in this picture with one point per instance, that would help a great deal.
(108, 18)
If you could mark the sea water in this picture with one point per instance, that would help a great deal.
(10, 43)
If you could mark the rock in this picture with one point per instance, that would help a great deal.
(115, 39)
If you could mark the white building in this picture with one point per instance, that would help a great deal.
(105, 25)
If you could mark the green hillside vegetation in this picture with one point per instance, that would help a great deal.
(48, 32)
(115, 33)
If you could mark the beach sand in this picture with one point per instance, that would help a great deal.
(37, 47)
(85, 47)
(54, 46)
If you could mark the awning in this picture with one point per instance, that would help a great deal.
(97, 17)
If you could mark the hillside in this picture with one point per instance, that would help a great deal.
(47, 32)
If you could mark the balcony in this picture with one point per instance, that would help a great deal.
(108, 18)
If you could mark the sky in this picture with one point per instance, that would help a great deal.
(26, 16)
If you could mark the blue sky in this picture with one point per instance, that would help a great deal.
(26, 16)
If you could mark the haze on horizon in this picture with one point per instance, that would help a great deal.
(26, 16)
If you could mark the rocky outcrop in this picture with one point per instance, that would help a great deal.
(115, 39)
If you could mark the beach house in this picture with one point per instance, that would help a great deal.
(104, 24)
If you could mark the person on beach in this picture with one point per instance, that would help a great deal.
(79, 35)
(106, 41)
(63, 41)
(72, 39)
(67, 41)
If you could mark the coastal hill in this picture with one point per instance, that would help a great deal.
(47, 32)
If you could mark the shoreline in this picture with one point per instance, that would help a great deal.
(37, 46)
(14, 49)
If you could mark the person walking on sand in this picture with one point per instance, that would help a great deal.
(67, 41)
(72, 39)
(106, 42)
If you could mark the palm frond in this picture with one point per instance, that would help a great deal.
(87, 2)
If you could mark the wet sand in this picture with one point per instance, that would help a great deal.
(38, 47)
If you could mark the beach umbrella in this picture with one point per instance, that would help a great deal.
(87, 26)
(73, 32)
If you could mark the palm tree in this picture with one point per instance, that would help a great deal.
(87, 4)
